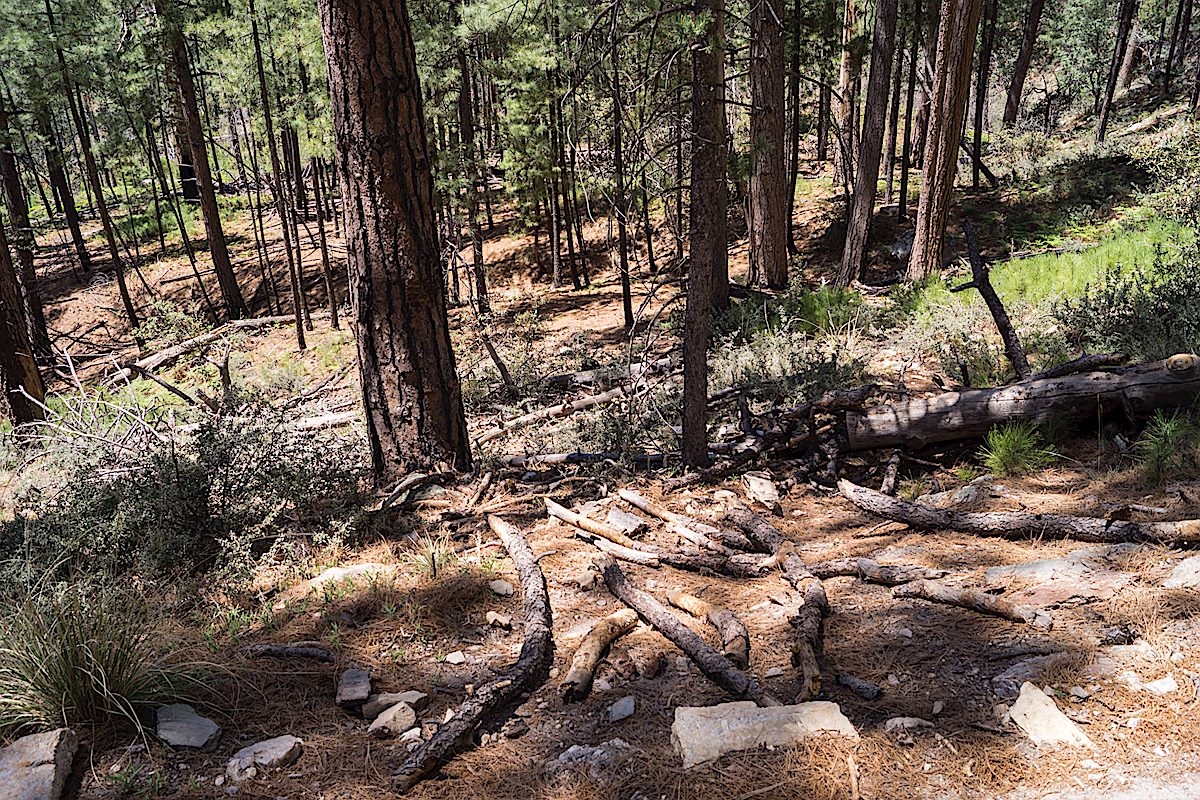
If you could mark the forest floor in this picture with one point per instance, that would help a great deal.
(1116, 628)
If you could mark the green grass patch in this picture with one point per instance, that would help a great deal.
(1016, 448)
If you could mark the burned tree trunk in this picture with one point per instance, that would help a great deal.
(410, 387)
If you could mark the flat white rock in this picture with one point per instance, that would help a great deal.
(282, 751)
(701, 734)
(36, 767)
(502, 588)
(1039, 717)
(457, 657)
(393, 721)
(180, 726)
(1186, 575)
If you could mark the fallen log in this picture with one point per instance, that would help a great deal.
(737, 566)
(871, 571)
(715, 666)
(553, 412)
(537, 460)
(735, 639)
(293, 650)
(1015, 524)
(916, 422)
(974, 600)
(591, 650)
(495, 699)
(588, 377)
(724, 536)
(590, 525)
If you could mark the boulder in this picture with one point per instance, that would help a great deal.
(180, 726)
(36, 767)
(393, 721)
(282, 751)
(761, 489)
(1186, 575)
(354, 688)
(707, 733)
(1039, 717)
(378, 703)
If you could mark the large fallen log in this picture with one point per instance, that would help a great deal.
(1138, 389)
(1011, 524)
(588, 377)
(496, 698)
(715, 666)
(871, 571)
(974, 600)
(578, 682)
(735, 639)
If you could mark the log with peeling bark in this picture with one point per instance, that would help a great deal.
(1139, 389)
(871, 571)
(1019, 524)
(735, 639)
(725, 536)
(715, 666)
(591, 650)
(497, 698)
(974, 600)
(293, 650)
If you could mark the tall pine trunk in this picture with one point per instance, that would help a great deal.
(18, 367)
(22, 239)
(866, 181)
(1125, 16)
(466, 124)
(411, 392)
(621, 201)
(769, 211)
(947, 112)
(57, 174)
(1016, 87)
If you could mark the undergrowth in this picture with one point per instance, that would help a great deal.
(1016, 448)
(1167, 447)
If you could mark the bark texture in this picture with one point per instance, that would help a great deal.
(769, 209)
(18, 368)
(1016, 87)
(411, 393)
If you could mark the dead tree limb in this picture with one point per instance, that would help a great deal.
(1010, 524)
(974, 600)
(553, 412)
(981, 281)
(496, 698)
(590, 525)
(724, 536)
(950, 416)
(872, 571)
(735, 639)
(715, 666)
(293, 650)
(591, 650)
(592, 376)
(737, 566)
(1085, 363)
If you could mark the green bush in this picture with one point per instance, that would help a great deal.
(1016, 448)
(84, 655)
(1167, 447)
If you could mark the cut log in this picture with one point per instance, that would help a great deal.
(495, 699)
(591, 650)
(715, 666)
(590, 525)
(974, 600)
(735, 639)
(871, 571)
(1013, 524)
(970, 413)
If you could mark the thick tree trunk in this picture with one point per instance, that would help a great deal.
(231, 293)
(709, 269)
(866, 181)
(18, 367)
(621, 202)
(843, 104)
(769, 212)
(466, 126)
(22, 238)
(793, 90)
(970, 413)
(981, 86)
(948, 107)
(62, 188)
(907, 151)
(410, 387)
(1125, 77)
(1128, 11)
(893, 126)
(1016, 87)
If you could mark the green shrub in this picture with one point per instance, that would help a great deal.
(168, 324)
(1016, 448)
(1167, 447)
(84, 655)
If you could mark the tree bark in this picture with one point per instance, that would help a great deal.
(948, 107)
(708, 273)
(843, 104)
(22, 239)
(1128, 11)
(907, 150)
(18, 367)
(410, 387)
(769, 212)
(1125, 77)
(866, 181)
(1016, 87)
(231, 293)
(466, 125)
(620, 200)
(893, 126)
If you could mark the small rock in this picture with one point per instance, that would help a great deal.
(622, 709)
(723, 496)
(378, 703)
(602, 685)
(937, 707)
(706, 733)
(456, 658)
(1161, 687)
(393, 721)
(622, 520)
(502, 588)
(515, 728)
(906, 724)
(586, 581)
(1080, 693)
(354, 688)
(1039, 717)
(773, 672)
(180, 726)
(596, 759)
(410, 735)
(282, 751)
(904, 633)
(36, 767)
(1186, 575)
(499, 620)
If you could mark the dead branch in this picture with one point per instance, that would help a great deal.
(589, 525)
(715, 666)
(591, 376)
(735, 639)
(1012, 524)
(293, 650)
(981, 281)
(973, 600)
(591, 650)
(1085, 363)
(872, 571)
(498, 697)
(724, 536)
(552, 412)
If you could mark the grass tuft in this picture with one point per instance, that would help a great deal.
(1016, 448)
(1166, 448)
